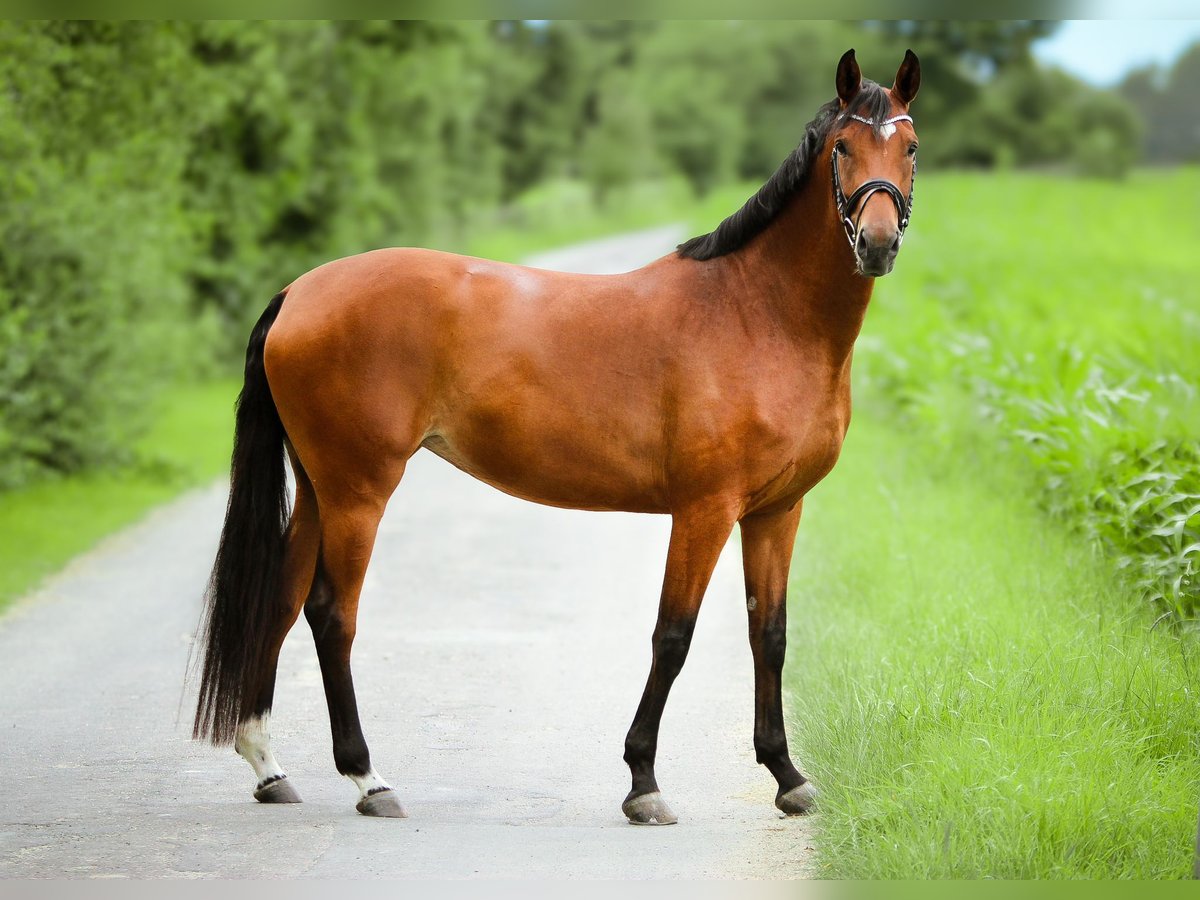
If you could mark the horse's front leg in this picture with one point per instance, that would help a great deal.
(767, 543)
(697, 537)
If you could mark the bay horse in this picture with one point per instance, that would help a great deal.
(712, 385)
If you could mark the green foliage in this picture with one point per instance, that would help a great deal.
(322, 141)
(1134, 496)
(985, 102)
(1029, 116)
(87, 319)
(618, 149)
(168, 178)
(731, 98)
(1107, 137)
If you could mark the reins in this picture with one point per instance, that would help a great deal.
(858, 200)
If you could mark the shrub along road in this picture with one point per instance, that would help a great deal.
(501, 651)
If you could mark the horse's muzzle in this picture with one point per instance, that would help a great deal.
(875, 251)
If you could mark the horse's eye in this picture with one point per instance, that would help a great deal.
(912, 149)
(840, 147)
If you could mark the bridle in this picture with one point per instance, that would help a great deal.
(864, 192)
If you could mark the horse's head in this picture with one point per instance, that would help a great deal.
(873, 148)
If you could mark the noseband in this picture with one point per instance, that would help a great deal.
(858, 200)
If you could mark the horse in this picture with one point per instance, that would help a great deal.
(711, 385)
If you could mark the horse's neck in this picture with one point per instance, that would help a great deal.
(803, 269)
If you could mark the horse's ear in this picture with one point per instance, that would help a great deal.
(849, 78)
(908, 78)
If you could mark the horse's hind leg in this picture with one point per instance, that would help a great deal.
(697, 538)
(767, 543)
(253, 739)
(348, 535)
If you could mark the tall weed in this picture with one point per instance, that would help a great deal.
(1060, 340)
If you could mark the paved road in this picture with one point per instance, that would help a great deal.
(501, 651)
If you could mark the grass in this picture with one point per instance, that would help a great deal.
(1067, 333)
(971, 691)
(1064, 334)
(45, 525)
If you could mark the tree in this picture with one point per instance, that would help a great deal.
(618, 149)
(91, 310)
(1169, 105)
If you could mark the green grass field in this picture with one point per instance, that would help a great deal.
(1056, 322)
(971, 692)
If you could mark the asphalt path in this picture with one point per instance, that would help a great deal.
(502, 648)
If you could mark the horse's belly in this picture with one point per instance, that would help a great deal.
(554, 470)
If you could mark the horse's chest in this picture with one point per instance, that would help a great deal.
(800, 448)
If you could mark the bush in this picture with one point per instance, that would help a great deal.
(163, 180)
(87, 322)
(1137, 499)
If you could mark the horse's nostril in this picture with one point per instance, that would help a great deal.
(861, 244)
(896, 244)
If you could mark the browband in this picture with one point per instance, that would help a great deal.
(903, 117)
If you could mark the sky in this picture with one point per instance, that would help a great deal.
(1101, 51)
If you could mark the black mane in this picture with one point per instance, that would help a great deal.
(871, 102)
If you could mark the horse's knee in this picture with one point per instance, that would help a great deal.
(770, 638)
(331, 628)
(774, 647)
(671, 645)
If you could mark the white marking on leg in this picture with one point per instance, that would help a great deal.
(253, 744)
(751, 603)
(369, 783)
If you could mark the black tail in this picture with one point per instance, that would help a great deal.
(242, 604)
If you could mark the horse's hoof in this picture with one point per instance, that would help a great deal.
(278, 791)
(798, 800)
(648, 809)
(382, 804)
